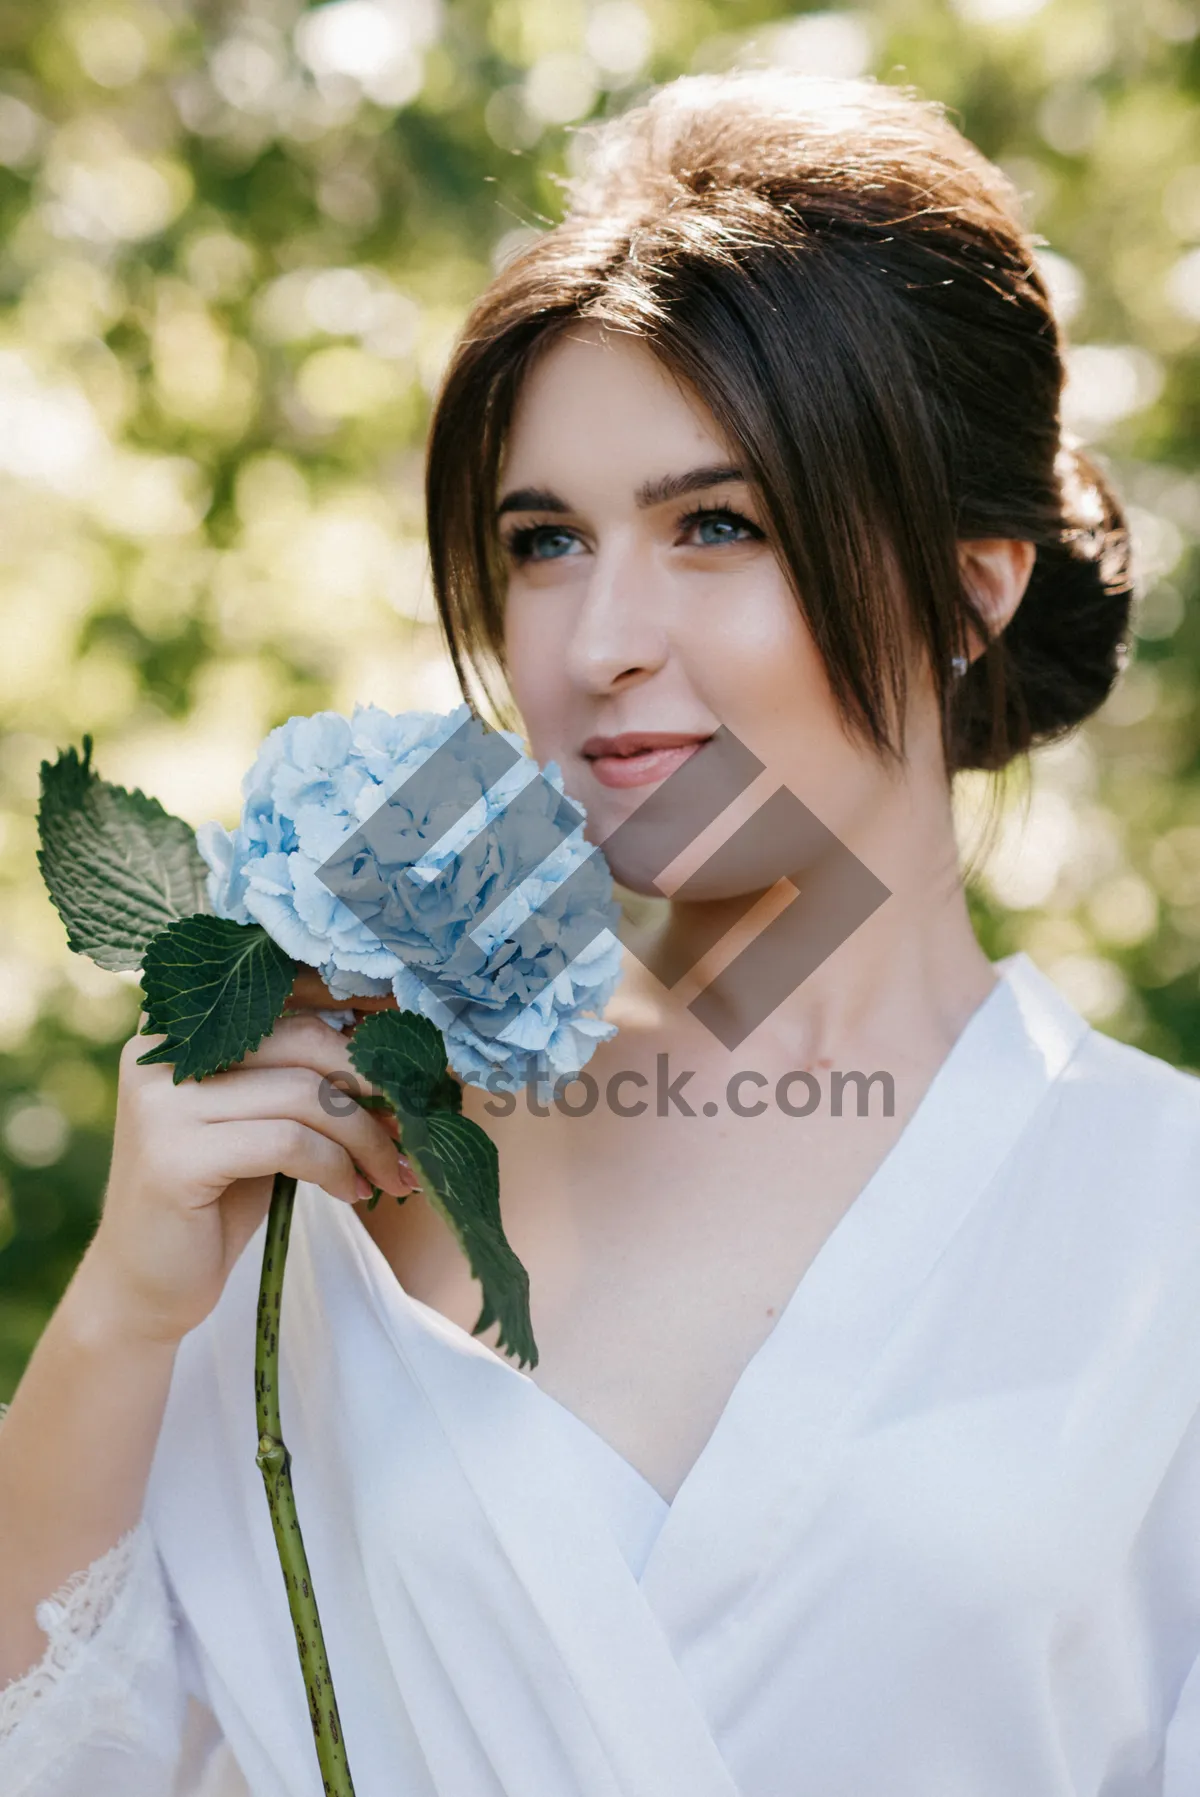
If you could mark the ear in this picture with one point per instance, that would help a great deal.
(996, 571)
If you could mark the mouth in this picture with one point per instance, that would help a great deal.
(639, 757)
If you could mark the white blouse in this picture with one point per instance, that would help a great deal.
(944, 1538)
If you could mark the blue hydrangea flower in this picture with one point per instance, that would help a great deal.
(518, 995)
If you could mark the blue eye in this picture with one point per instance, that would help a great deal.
(718, 528)
(539, 543)
(715, 527)
(722, 524)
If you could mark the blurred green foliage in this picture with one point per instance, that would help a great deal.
(235, 243)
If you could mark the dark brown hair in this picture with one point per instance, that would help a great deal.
(845, 282)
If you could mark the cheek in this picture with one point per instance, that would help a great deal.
(758, 660)
(761, 673)
(534, 648)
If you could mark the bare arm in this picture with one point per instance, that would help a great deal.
(190, 1182)
(75, 1454)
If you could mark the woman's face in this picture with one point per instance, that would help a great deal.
(644, 596)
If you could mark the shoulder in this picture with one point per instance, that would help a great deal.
(1108, 1089)
(1115, 1148)
(1116, 1085)
(1112, 1146)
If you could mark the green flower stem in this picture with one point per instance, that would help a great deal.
(275, 1463)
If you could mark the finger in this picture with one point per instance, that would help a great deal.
(299, 1095)
(143, 1020)
(304, 1041)
(244, 1204)
(132, 1050)
(231, 1152)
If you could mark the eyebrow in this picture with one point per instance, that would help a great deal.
(651, 492)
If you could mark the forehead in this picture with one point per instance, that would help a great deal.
(595, 396)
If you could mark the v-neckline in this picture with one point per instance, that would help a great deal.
(1040, 1015)
(438, 1321)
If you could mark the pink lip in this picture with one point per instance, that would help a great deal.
(638, 757)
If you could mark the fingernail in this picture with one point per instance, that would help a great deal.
(362, 1185)
(406, 1166)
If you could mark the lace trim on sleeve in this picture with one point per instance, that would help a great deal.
(71, 1618)
(76, 1613)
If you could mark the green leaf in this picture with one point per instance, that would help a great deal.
(403, 1051)
(447, 1094)
(455, 1161)
(458, 1168)
(117, 866)
(215, 989)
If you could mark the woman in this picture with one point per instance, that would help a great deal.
(863, 1451)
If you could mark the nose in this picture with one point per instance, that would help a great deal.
(619, 636)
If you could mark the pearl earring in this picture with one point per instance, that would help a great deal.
(959, 664)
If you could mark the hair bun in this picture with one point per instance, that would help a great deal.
(1068, 639)
(1092, 513)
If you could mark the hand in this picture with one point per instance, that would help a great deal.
(193, 1166)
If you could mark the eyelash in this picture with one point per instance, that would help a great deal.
(519, 543)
